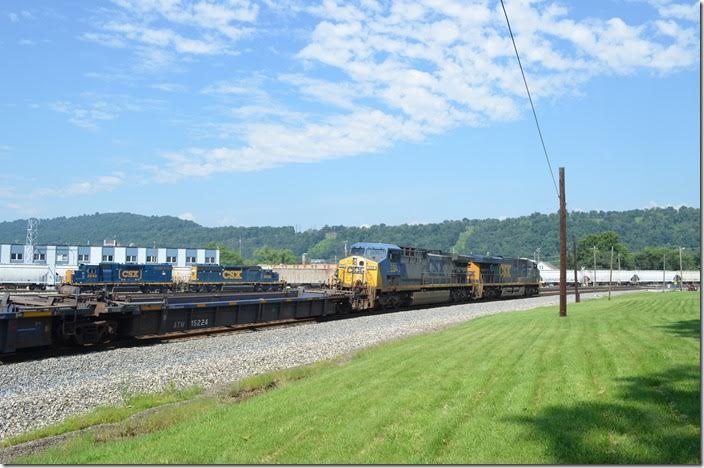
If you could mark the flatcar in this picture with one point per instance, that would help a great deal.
(386, 276)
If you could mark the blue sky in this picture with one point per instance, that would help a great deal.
(309, 113)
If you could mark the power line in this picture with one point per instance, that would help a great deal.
(530, 99)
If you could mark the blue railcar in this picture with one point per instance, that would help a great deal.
(233, 277)
(151, 276)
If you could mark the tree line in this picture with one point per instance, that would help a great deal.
(643, 235)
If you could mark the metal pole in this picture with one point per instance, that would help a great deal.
(663, 272)
(594, 279)
(611, 270)
(563, 246)
(576, 283)
(619, 269)
(240, 247)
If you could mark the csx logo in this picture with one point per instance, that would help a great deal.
(232, 274)
(131, 274)
(505, 271)
(355, 270)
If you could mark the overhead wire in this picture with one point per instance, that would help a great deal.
(535, 115)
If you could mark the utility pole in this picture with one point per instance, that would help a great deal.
(663, 272)
(594, 279)
(681, 272)
(611, 270)
(576, 283)
(345, 249)
(240, 247)
(619, 269)
(563, 246)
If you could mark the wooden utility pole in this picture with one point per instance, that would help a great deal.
(594, 279)
(663, 272)
(681, 272)
(611, 270)
(563, 246)
(576, 283)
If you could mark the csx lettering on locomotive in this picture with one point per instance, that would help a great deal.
(131, 274)
(232, 274)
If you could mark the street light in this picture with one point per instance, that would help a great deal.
(534, 255)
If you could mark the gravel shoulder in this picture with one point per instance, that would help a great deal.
(39, 393)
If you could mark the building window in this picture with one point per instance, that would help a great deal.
(190, 259)
(131, 259)
(107, 258)
(151, 258)
(16, 256)
(61, 258)
(171, 259)
(39, 257)
(83, 258)
(209, 259)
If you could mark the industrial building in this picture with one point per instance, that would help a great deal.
(47, 264)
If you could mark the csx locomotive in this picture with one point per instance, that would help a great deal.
(386, 276)
(159, 278)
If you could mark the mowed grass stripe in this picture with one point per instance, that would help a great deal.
(614, 382)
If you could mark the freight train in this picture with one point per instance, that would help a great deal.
(119, 277)
(386, 276)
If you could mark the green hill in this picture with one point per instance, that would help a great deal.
(510, 237)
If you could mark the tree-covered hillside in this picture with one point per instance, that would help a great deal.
(637, 229)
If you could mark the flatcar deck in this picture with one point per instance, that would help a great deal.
(27, 324)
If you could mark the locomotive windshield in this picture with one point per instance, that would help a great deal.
(357, 251)
(372, 253)
(375, 254)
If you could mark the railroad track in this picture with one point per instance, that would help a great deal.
(149, 340)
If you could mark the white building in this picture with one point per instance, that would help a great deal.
(52, 261)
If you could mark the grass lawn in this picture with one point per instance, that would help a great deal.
(614, 382)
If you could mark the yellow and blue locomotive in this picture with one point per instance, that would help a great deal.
(386, 276)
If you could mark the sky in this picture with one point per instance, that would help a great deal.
(313, 113)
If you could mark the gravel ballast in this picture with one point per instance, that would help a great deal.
(38, 393)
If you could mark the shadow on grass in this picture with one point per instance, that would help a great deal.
(684, 328)
(657, 420)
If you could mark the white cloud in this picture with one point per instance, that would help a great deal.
(196, 28)
(682, 11)
(187, 216)
(93, 109)
(14, 18)
(403, 70)
(105, 183)
(168, 87)
(85, 116)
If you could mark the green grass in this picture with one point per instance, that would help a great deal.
(108, 414)
(614, 382)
